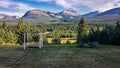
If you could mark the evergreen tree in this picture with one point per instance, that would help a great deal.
(27, 27)
(20, 29)
(83, 30)
(104, 36)
(118, 25)
(56, 36)
(20, 25)
(10, 37)
(6, 35)
(116, 36)
(34, 28)
(35, 37)
(2, 33)
(5, 25)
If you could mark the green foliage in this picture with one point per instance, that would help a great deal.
(83, 30)
(7, 37)
(68, 42)
(20, 25)
(56, 37)
(35, 36)
(27, 27)
(1, 41)
(35, 28)
(5, 25)
(102, 32)
(2, 33)
(116, 36)
(10, 37)
(20, 28)
(109, 35)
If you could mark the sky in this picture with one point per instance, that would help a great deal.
(19, 7)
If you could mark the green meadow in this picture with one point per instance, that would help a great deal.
(60, 56)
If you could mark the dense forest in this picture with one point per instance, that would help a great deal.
(109, 34)
(103, 33)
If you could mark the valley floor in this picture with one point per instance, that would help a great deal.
(60, 56)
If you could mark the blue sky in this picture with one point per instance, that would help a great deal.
(19, 7)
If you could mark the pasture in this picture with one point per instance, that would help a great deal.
(60, 56)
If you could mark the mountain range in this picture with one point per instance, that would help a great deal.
(4, 16)
(46, 16)
(91, 14)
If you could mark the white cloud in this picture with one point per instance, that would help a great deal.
(12, 13)
(93, 5)
(23, 7)
(64, 3)
(117, 4)
(101, 5)
(5, 4)
(18, 8)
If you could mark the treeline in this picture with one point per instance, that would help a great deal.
(56, 31)
(12, 36)
(6, 35)
(64, 30)
(108, 35)
(84, 31)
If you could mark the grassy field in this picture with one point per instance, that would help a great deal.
(60, 56)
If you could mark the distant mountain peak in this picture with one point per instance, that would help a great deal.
(8, 17)
(37, 12)
(97, 11)
(70, 12)
(91, 14)
(111, 12)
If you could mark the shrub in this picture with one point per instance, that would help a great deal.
(80, 44)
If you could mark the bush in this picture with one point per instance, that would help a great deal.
(94, 44)
(80, 44)
(68, 42)
(57, 41)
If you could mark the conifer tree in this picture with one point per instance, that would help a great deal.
(20, 29)
(35, 37)
(56, 37)
(20, 25)
(6, 35)
(35, 28)
(83, 30)
(116, 36)
(5, 25)
(28, 26)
